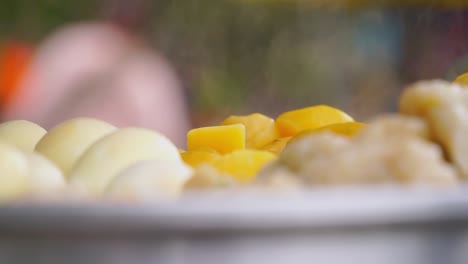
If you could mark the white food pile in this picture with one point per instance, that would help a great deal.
(88, 157)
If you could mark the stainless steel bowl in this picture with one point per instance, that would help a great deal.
(378, 225)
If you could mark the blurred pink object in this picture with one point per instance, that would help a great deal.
(95, 70)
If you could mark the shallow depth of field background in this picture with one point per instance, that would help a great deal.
(241, 56)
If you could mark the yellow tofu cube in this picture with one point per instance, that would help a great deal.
(349, 129)
(244, 165)
(277, 145)
(293, 122)
(462, 79)
(223, 139)
(197, 157)
(259, 129)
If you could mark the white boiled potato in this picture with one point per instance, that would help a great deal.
(150, 180)
(117, 151)
(44, 176)
(65, 143)
(21, 133)
(13, 172)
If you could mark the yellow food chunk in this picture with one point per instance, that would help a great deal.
(348, 129)
(277, 145)
(293, 122)
(224, 139)
(462, 79)
(21, 133)
(206, 149)
(259, 129)
(244, 165)
(196, 157)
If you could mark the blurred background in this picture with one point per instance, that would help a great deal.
(225, 56)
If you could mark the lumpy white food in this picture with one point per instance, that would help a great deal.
(150, 180)
(445, 107)
(13, 172)
(116, 152)
(65, 143)
(21, 133)
(391, 149)
(45, 178)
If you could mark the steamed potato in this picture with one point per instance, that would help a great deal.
(65, 143)
(21, 133)
(14, 180)
(44, 176)
(117, 151)
(150, 180)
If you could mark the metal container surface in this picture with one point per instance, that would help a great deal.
(383, 225)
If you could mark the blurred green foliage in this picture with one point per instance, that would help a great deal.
(31, 20)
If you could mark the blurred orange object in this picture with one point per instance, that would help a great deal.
(15, 58)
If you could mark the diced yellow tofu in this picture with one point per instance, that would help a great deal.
(259, 129)
(462, 79)
(293, 122)
(349, 129)
(197, 157)
(244, 165)
(277, 146)
(223, 139)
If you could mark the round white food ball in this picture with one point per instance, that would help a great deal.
(44, 176)
(21, 133)
(117, 151)
(150, 180)
(65, 143)
(13, 173)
